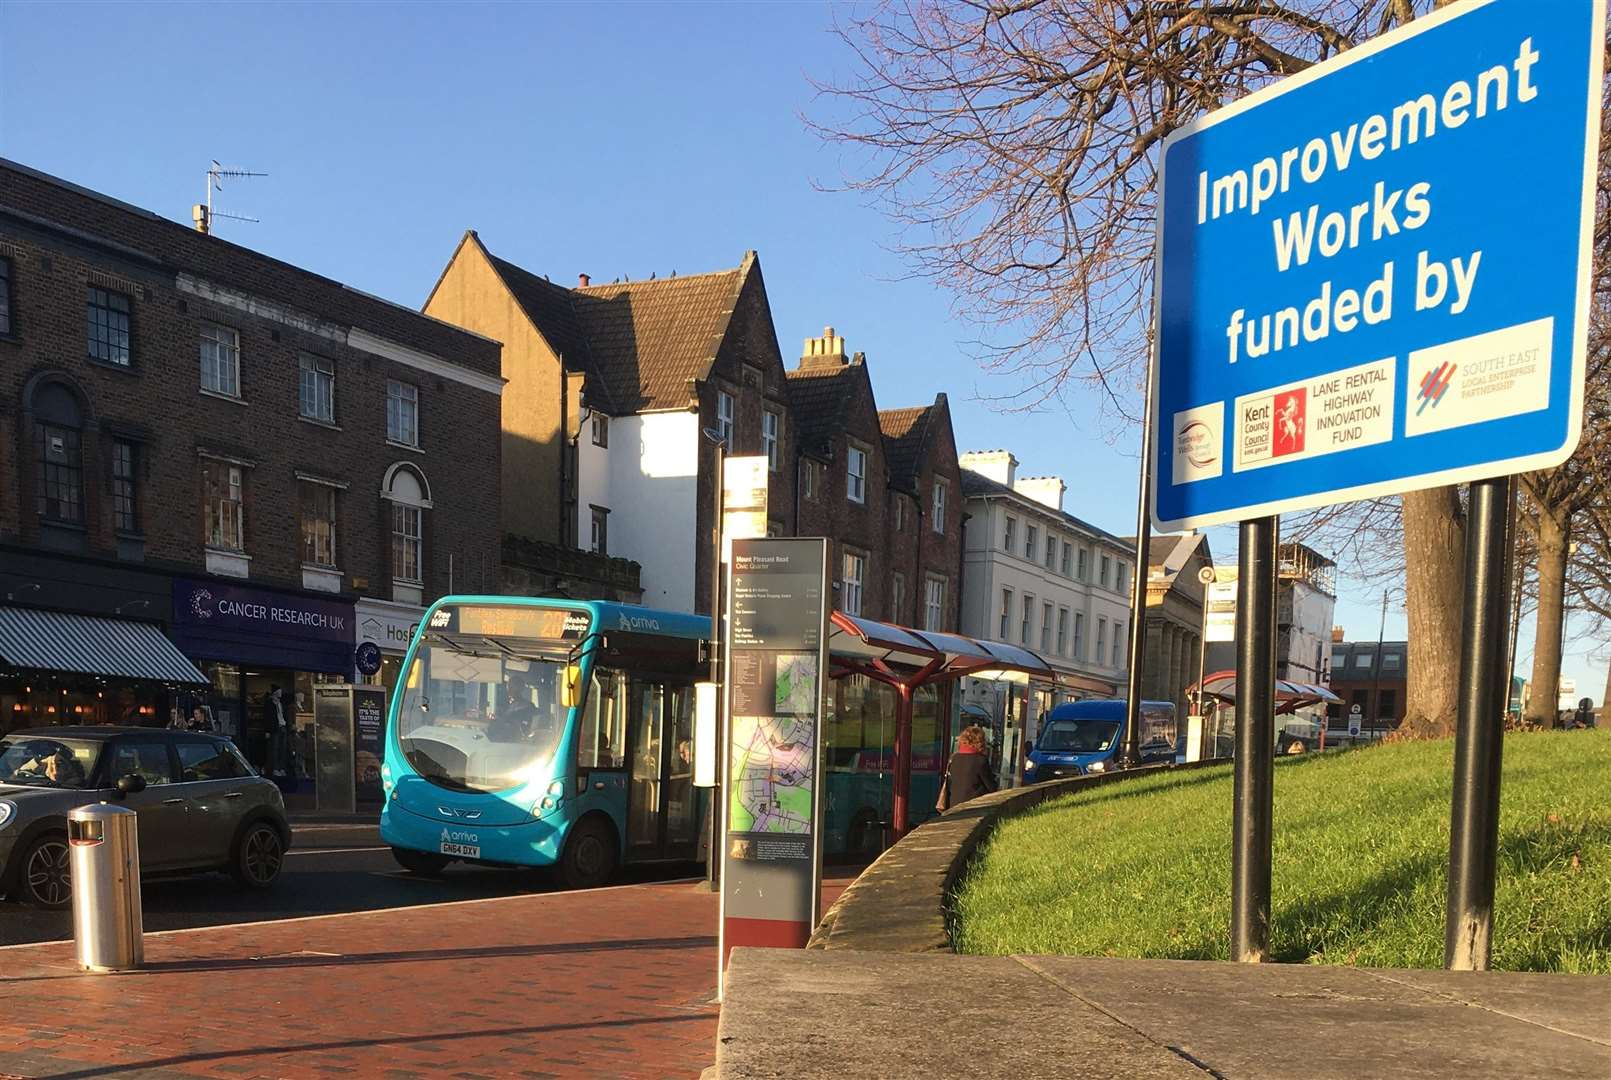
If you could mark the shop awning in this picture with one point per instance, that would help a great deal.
(91, 645)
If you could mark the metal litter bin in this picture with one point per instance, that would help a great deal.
(104, 848)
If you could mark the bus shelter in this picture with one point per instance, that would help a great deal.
(906, 660)
(1216, 697)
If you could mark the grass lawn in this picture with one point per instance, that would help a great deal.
(1143, 868)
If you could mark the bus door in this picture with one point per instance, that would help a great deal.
(662, 814)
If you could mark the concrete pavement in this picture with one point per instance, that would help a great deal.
(838, 1013)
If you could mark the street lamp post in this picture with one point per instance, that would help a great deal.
(713, 862)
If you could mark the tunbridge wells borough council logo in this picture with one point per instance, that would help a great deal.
(201, 603)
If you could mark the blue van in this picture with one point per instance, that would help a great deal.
(1079, 737)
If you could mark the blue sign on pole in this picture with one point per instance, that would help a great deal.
(1373, 276)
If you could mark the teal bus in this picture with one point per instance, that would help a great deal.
(553, 732)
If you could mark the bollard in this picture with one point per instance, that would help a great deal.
(104, 847)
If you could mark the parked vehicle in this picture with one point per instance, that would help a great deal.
(200, 805)
(1079, 737)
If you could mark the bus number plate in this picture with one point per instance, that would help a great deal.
(462, 851)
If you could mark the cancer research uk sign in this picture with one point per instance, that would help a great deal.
(1373, 276)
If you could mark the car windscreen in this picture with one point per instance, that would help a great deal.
(1078, 736)
(480, 714)
(48, 761)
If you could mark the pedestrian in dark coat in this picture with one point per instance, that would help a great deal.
(968, 774)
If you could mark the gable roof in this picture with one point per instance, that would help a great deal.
(34, 197)
(821, 397)
(906, 439)
(639, 343)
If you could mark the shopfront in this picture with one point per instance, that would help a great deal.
(70, 668)
(390, 627)
(263, 652)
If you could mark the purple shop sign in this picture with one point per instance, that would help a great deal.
(210, 606)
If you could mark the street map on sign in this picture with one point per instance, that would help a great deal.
(772, 759)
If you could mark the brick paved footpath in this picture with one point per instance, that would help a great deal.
(611, 982)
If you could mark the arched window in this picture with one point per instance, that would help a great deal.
(410, 495)
(58, 453)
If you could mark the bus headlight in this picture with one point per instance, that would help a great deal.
(557, 788)
(7, 810)
(1029, 766)
(548, 803)
(1096, 766)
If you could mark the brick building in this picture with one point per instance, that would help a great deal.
(926, 509)
(610, 388)
(264, 465)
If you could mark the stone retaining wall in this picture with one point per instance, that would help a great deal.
(901, 902)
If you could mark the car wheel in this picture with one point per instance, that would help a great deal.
(423, 863)
(44, 880)
(259, 856)
(589, 858)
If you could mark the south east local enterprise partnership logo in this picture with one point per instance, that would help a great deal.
(1435, 385)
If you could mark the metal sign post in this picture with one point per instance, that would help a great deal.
(1479, 738)
(1348, 309)
(772, 805)
(1254, 783)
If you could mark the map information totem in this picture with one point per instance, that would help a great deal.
(776, 662)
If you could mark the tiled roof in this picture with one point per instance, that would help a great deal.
(821, 402)
(640, 343)
(978, 485)
(34, 197)
(549, 307)
(649, 339)
(906, 433)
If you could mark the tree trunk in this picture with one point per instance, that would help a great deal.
(1605, 702)
(1543, 708)
(1434, 565)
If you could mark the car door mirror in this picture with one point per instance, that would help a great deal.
(130, 784)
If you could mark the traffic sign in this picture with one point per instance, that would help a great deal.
(1373, 275)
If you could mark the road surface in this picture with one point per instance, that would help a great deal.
(330, 868)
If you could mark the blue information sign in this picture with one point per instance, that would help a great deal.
(1373, 276)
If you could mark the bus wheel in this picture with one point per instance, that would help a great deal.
(865, 838)
(424, 863)
(589, 859)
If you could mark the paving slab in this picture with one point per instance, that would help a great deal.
(833, 1013)
(837, 1013)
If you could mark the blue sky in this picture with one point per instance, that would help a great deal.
(615, 140)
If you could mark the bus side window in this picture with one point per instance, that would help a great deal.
(601, 742)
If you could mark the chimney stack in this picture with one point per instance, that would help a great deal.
(583, 281)
(1046, 490)
(998, 465)
(1337, 635)
(198, 212)
(827, 351)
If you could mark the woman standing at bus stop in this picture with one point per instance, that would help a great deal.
(968, 774)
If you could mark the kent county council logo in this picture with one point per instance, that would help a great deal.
(1289, 423)
(201, 603)
(1435, 385)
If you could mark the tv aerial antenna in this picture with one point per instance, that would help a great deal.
(203, 213)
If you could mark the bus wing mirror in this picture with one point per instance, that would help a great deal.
(705, 749)
(570, 687)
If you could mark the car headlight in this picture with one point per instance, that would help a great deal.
(1096, 766)
(8, 810)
